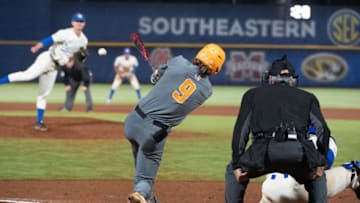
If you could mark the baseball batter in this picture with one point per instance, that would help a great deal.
(63, 44)
(125, 66)
(180, 87)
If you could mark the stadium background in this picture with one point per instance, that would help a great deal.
(324, 49)
(84, 156)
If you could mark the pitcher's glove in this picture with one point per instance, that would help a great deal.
(82, 55)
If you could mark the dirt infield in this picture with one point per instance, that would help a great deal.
(116, 190)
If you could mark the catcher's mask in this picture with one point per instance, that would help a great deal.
(281, 71)
(212, 56)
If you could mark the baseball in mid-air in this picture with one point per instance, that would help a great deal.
(102, 52)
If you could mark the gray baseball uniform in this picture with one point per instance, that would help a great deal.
(178, 91)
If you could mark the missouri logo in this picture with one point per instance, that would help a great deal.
(324, 67)
(343, 27)
(243, 67)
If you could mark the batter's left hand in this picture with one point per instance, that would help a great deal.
(240, 176)
(83, 88)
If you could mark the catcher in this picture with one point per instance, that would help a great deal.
(278, 115)
(125, 66)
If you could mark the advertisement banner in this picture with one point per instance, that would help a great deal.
(324, 49)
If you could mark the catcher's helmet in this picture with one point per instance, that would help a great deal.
(213, 56)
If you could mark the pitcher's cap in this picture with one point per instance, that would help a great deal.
(78, 17)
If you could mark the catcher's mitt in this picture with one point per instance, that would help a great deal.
(82, 54)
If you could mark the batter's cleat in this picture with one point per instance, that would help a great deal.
(108, 101)
(40, 127)
(136, 198)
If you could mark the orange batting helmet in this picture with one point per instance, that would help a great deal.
(213, 56)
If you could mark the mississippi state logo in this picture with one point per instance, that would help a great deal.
(344, 27)
(243, 67)
(324, 67)
(159, 56)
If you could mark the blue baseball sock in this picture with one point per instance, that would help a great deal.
(40, 115)
(112, 91)
(4, 80)
(138, 94)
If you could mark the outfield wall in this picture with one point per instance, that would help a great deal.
(324, 49)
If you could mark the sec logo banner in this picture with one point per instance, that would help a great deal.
(344, 27)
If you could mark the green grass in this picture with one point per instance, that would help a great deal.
(222, 95)
(64, 159)
(189, 158)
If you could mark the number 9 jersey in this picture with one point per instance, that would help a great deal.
(179, 90)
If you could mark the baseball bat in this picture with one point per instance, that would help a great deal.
(139, 45)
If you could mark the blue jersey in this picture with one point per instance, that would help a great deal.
(179, 91)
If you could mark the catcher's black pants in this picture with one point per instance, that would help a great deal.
(235, 192)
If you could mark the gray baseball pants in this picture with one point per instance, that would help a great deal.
(147, 141)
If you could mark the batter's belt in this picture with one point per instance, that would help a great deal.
(155, 122)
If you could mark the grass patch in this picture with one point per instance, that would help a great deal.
(222, 95)
(190, 158)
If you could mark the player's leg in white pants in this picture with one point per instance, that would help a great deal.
(116, 83)
(42, 64)
(136, 85)
(46, 84)
(44, 67)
